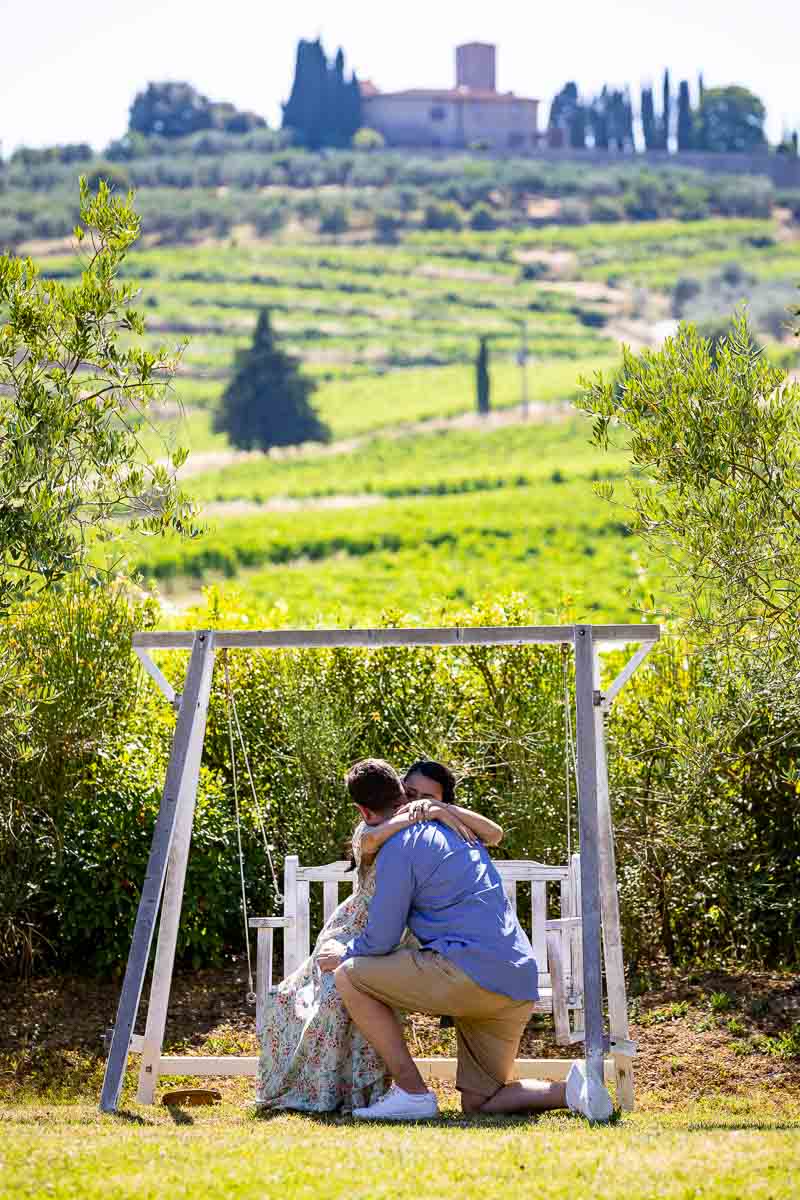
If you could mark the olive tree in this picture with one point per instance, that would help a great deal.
(714, 438)
(75, 386)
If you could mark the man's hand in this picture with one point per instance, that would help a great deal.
(330, 955)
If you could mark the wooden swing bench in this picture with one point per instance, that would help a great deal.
(556, 943)
(572, 948)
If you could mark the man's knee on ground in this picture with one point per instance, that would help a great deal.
(472, 1102)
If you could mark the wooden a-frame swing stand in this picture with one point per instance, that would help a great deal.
(591, 926)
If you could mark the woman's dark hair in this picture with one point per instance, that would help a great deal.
(439, 773)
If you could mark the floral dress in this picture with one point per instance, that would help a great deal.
(313, 1058)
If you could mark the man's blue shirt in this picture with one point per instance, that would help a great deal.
(451, 897)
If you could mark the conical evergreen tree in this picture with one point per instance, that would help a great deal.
(337, 102)
(599, 119)
(666, 113)
(649, 120)
(267, 403)
(352, 108)
(699, 132)
(323, 109)
(307, 111)
(482, 377)
(684, 117)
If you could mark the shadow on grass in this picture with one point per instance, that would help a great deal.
(737, 1126)
(130, 1118)
(178, 1115)
(445, 1120)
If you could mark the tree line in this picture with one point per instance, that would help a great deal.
(722, 119)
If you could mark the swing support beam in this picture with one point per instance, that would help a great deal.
(166, 869)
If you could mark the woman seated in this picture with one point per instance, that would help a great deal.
(313, 1058)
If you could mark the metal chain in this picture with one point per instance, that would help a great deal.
(256, 805)
(251, 993)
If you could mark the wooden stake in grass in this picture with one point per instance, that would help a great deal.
(191, 1097)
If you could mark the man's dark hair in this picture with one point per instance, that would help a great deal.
(439, 773)
(374, 784)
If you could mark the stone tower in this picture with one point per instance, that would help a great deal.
(475, 66)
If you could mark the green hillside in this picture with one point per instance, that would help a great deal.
(418, 504)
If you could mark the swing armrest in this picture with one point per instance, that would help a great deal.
(264, 983)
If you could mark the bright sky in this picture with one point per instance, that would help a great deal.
(70, 71)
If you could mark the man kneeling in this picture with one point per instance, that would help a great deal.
(475, 964)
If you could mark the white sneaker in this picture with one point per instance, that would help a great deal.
(398, 1105)
(586, 1096)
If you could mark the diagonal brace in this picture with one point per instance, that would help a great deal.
(162, 682)
(606, 698)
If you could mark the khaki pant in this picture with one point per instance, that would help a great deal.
(488, 1026)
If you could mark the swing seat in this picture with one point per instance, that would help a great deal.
(556, 941)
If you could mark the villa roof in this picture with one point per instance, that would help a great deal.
(457, 93)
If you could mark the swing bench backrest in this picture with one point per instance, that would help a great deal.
(545, 898)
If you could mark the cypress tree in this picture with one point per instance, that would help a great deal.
(629, 140)
(267, 402)
(482, 376)
(337, 102)
(699, 132)
(352, 109)
(666, 113)
(599, 119)
(295, 114)
(684, 117)
(649, 120)
(577, 127)
(323, 108)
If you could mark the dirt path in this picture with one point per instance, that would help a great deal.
(218, 460)
(247, 508)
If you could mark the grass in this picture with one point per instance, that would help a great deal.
(556, 541)
(357, 308)
(718, 1150)
(452, 460)
(354, 407)
(390, 333)
(436, 522)
(710, 1123)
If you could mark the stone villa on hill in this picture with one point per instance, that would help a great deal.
(473, 113)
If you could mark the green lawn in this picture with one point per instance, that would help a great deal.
(714, 1150)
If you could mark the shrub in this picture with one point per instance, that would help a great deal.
(482, 218)
(334, 220)
(368, 139)
(573, 212)
(82, 812)
(538, 269)
(606, 208)
(269, 219)
(442, 216)
(745, 196)
(686, 288)
(115, 176)
(387, 226)
(692, 203)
